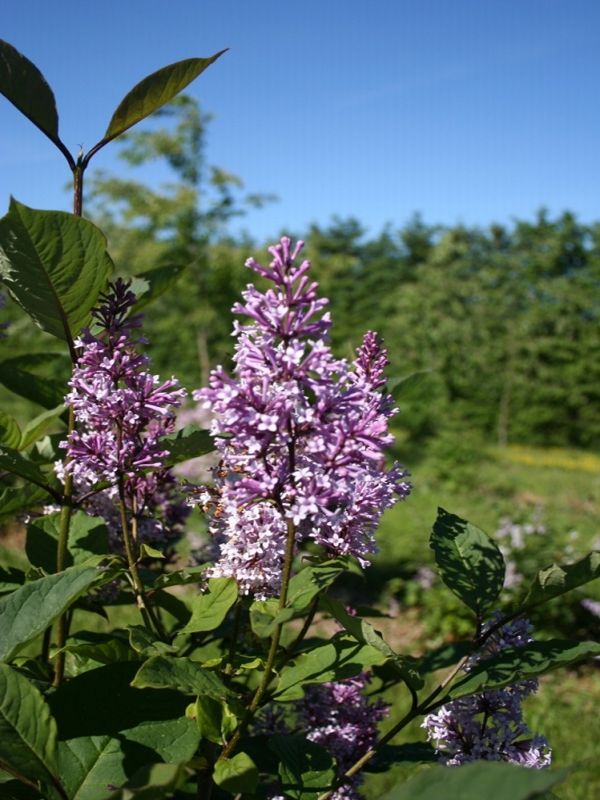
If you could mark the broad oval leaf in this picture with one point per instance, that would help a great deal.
(153, 92)
(312, 580)
(26, 613)
(22, 83)
(210, 609)
(470, 563)
(37, 427)
(182, 675)
(55, 265)
(237, 774)
(521, 663)
(27, 729)
(89, 764)
(88, 537)
(480, 779)
(305, 768)
(558, 579)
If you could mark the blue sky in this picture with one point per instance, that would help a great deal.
(465, 110)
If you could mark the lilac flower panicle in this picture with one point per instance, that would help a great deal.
(339, 717)
(490, 725)
(306, 432)
(121, 412)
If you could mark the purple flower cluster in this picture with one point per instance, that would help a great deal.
(121, 409)
(490, 725)
(341, 719)
(300, 432)
(338, 717)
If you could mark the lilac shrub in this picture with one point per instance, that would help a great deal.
(301, 433)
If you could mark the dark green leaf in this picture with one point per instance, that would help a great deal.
(407, 754)
(10, 433)
(88, 537)
(314, 666)
(187, 443)
(210, 609)
(16, 375)
(55, 265)
(27, 729)
(146, 643)
(364, 632)
(153, 782)
(181, 674)
(474, 781)
(311, 580)
(14, 500)
(265, 616)
(306, 769)
(105, 648)
(154, 91)
(151, 724)
(37, 427)
(237, 774)
(13, 461)
(470, 563)
(27, 612)
(23, 84)
(151, 284)
(90, 764)
(181, 577)
(520, 663)
(560, 578)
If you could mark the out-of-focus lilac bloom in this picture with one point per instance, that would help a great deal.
(490, 725)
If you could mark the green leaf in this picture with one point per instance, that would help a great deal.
(105, 648)
(150, 552)
(444, 656)
(470, 563)
(557, 579)
(364, 632)
(314, 666)
(153, 782)
(25, 87)
(151, 724)
(237, 774)
(180, 674)
(27, 612)
(55, 265)
(14, 500)
(13, 461)
(149, 285)
(10, 433)
(89, 764)
(491, 779)
(215, 720)
(153, 92)
(187, 443)
(37, 427)
(146, 643)
(400, 386)
(521, 663)
(265, 616)
(306, 769)
(311, 580)
(16, 375)
(27, 730)
(210, 609)
(88, 537)
(180, 577)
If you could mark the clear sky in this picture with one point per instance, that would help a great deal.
(465, 110)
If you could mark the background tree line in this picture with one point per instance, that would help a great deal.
(500, 324)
